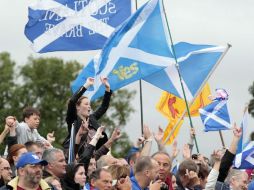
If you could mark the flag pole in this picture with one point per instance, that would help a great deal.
(140, 91)
(222, 140)
(180, 77)
(199, 90)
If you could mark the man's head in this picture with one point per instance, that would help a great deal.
(164, 162)
(32, 117)
(29, 168)
(101, 179)
(203, 173)
(146, 169)
(106, 160)
(186, 165)
(132, 158)
(5, 169)
(34, 147)
(56, 162)
(237, 179)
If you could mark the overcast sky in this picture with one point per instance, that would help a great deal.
(215, 22)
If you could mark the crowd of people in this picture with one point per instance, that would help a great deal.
(30, 162)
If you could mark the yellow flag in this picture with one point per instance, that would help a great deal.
(173, 107)
(174, 134)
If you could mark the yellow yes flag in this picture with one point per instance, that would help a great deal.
(173, 108)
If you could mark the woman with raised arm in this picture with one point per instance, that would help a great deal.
(79, 114)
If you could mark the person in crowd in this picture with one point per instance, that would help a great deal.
(236, 179)
(14, 154)
(79, 111)
(203, 172)
(92, 166)
(214, 173)
(54, 183)
(56, 163)
(106, 161)
(120, 176)
(229, 155)
(100, 179)
(27, 130)
(164, 163)
(75, 177)
(187, 176)
(145, 173)
(5, 169)
(174, 184)
(34, 147)
(29, 169)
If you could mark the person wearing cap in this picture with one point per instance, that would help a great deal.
(29, 169)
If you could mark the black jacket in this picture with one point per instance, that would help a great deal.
(73, 118)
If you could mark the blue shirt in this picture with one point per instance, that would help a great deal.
(135, 185)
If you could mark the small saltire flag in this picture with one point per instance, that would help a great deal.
(138, 48)
(74, 25)
(244, 158)
(244, 138)
(196, 64)
(215, 116)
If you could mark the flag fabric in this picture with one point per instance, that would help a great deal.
(172, 130)
(215, 116)
(244, 138)
(196, 64)
(138, 48)
(74, 25)
(173, 108)
(244, 158)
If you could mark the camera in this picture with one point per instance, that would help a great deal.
(164, 186)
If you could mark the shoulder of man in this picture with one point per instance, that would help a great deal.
(44, 185)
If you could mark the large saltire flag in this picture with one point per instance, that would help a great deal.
(138, 48)
(174, 107)
(215, 116)
(196, 64)
(74, 25)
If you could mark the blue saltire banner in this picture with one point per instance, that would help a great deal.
(74, 25)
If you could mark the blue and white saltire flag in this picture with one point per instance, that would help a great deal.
(196, 64)
(138, 48)
(215, 116)
(245, 159)
(244, 138)
(74, 25)
(245, 151)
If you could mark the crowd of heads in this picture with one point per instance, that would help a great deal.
(30, 160)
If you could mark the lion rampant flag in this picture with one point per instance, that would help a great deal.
(173, 108)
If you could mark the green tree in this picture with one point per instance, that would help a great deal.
(251, 104)
(7, 85)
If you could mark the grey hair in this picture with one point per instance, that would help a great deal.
(233, 173)
(49, 154)
(102, 162)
